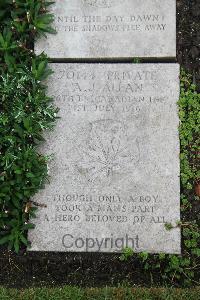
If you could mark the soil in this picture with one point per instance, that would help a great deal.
(95, 269)
(188, 37)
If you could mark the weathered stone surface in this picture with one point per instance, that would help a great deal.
(112, 29)
(115, 172)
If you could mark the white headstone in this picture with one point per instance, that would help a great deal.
(114, 176)
(111, 29)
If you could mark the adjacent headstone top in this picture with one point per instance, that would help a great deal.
(114, 175)
(95, 29)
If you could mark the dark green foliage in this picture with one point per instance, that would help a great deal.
(189, 133)
(184, 269)
(126, 254)
(25, 112)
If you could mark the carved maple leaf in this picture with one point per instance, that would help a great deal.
(106, 151)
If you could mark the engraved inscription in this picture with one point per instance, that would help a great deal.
(111, 23)
(111, 29)
(114, 167)
(102, 3)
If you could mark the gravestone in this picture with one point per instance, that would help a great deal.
(114, 170)
(112, 29)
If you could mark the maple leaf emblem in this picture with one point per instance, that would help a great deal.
(107, 151)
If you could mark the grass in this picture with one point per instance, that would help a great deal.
(107, 293)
